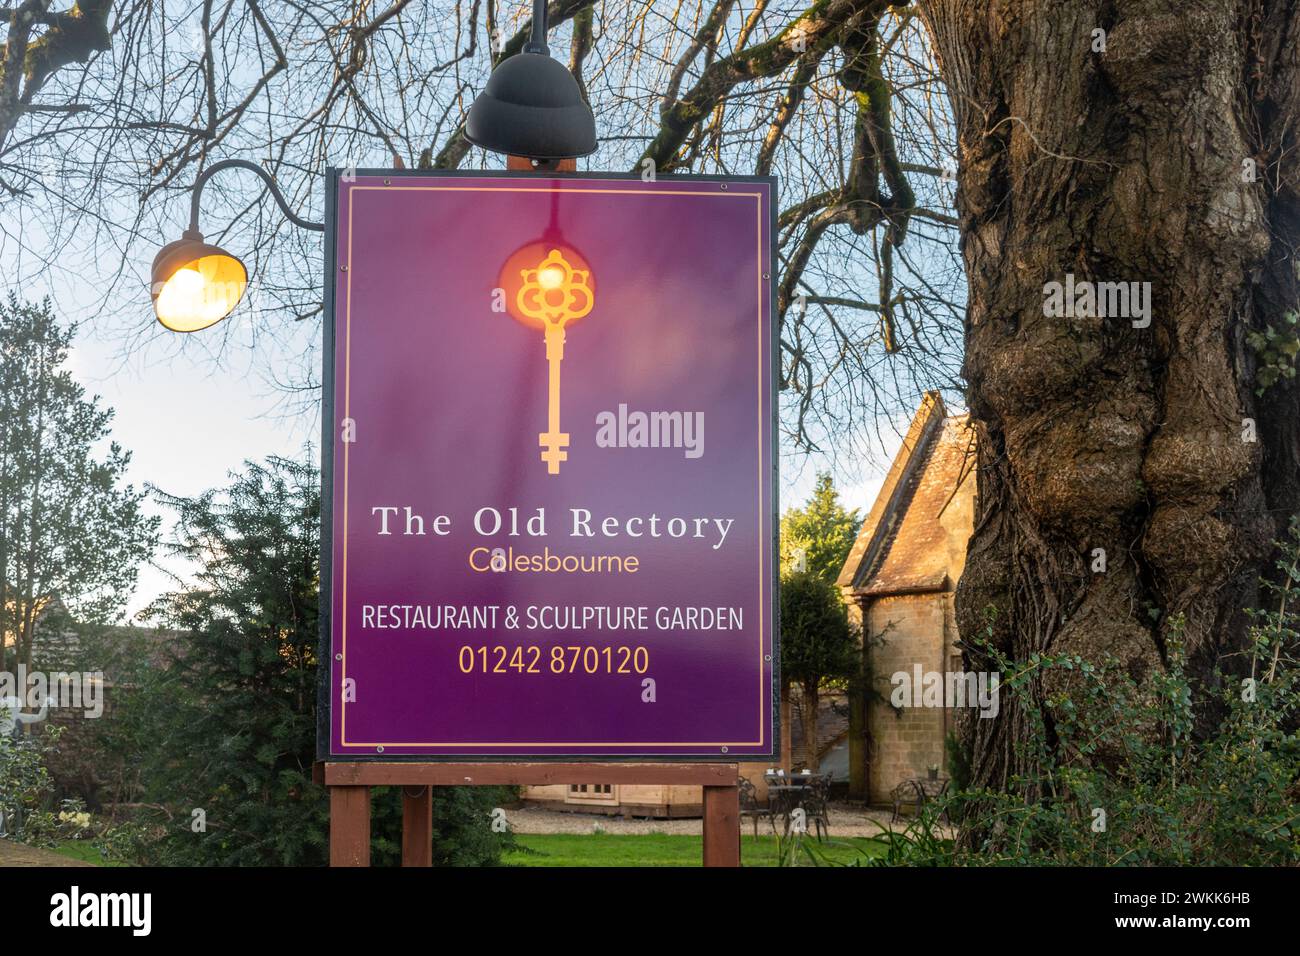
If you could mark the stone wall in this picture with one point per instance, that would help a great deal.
(917, 629)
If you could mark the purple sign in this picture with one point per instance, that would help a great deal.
(551, 490)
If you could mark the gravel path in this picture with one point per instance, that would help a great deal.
(846, 821)
(19, 854)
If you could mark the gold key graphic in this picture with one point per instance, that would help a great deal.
(556, 294)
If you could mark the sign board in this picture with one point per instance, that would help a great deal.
(549, 467)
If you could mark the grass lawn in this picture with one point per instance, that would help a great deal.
(607, 849)
(659, 849)
(85, 851)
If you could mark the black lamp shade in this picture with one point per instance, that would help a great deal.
(532, 107)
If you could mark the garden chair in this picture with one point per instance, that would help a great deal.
(905, 792)
(816, 805)
(750, 807)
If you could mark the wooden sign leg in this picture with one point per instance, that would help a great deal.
(722, 826)
(349, 826)
(417, 826)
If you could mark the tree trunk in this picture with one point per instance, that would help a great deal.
(811, 705)
(786, 742)
(1121, 156)
(28, 593)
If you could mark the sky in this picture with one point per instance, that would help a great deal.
(192, 408)
(187, 420)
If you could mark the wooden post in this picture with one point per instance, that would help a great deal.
(522, 164)
(787, 755)
(417, 826)
(722, 826)
(349, 784)
(349, 826)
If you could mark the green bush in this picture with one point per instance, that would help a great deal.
(26, 787)
(1126, 779)
(225, 732)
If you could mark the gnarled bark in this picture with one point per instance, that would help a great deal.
(1118, 156)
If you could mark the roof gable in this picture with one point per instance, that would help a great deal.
(902, 546)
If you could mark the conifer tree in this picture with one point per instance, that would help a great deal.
(227, 724)
(822, 530)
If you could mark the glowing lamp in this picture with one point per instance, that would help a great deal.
(547, 283)
(195, 285)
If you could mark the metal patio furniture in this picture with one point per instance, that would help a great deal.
(800, 791)
(750, 807)
(917, 790)
(816, 805)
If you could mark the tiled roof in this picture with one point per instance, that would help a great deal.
(903, 546)
(61, 643)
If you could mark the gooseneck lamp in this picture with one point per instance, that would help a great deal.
(195, 284)
(532, 106)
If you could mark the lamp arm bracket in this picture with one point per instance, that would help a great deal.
(270, 185)
(537, 35)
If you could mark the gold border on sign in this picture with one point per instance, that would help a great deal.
(764, 693)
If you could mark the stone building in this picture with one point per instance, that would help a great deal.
(899, 579)
(635, 800)
(631, 800)
(111, 658)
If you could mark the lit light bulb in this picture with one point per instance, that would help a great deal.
(181, 292)
(199, 293)
(547, 283)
